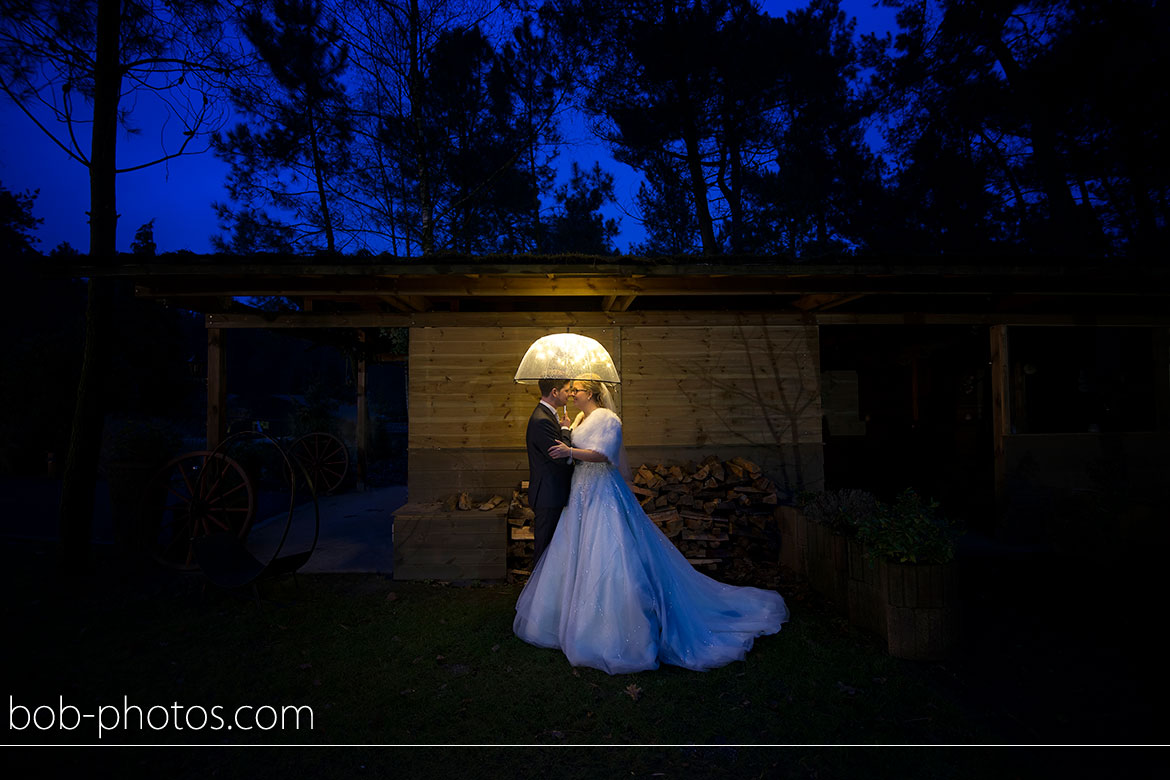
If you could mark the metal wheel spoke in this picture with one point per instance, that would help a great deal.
(183, 473)
(218, 476)
(220, 497)
(176, 521)
(183, 498)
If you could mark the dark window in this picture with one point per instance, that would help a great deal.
(1078, 380)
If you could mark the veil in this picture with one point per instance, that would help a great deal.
(607, 398)
(623, 464)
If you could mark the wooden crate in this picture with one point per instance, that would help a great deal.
(433, 543)
(867, 589)
(828, 564)
(922, 610)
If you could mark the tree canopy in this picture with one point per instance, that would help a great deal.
(419, 126)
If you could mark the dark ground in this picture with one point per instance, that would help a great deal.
(1055, 650)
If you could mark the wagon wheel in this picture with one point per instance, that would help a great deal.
(194, 495)
(324, 458)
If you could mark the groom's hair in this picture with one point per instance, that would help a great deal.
(548, 385)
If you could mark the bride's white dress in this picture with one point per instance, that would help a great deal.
(615, 594)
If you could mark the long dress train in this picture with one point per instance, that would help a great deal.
(613, 593)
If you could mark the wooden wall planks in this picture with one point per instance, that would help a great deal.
(719, 389)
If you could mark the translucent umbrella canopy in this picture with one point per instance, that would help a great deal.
(566, 356)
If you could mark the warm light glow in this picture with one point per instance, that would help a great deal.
(566, 356)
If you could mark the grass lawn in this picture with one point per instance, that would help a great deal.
(381, 662)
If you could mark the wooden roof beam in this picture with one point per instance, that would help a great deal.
(661, 319)
(407, 303)
(823, 301)
(617, 302)
(618, 281)
(408, 288)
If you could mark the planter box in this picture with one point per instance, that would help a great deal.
(828, 564)
(793, 539)
(921, 609)
(431, 543)
(867, 589)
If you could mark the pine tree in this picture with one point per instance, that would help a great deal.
(293, 152)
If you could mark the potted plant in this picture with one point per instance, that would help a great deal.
(915, 549)
(834, 516)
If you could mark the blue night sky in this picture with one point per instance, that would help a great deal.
(178, 194)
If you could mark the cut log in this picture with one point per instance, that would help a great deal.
(746, 465)
(491, 503)
(691, 536)
(665, 516)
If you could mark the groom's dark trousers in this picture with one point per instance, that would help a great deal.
(548, 479)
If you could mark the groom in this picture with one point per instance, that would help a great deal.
(548, 479)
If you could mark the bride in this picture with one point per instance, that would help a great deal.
(611, 591)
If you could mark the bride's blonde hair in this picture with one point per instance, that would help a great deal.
(600, 392)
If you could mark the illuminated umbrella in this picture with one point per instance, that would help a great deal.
(566, 356)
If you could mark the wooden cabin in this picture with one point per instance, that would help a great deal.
(1001, 389)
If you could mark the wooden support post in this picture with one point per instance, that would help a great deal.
(1161, 343)
(1000, 406)
(216, 387)
(617, 363)
(362, 427)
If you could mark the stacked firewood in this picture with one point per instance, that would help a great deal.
(720, 514)
(521, 544)
(464, 503)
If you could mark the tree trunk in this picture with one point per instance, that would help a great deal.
(1069, 232)
(80, 474)
(699, 189)
(735, 201)
(319, 174)
(1009, 175)
(730, 183)
(425, 207)
(537, 232)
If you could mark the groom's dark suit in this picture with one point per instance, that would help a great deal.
(548, 479)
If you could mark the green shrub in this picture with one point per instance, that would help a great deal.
(843, 511)
(910, 530)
